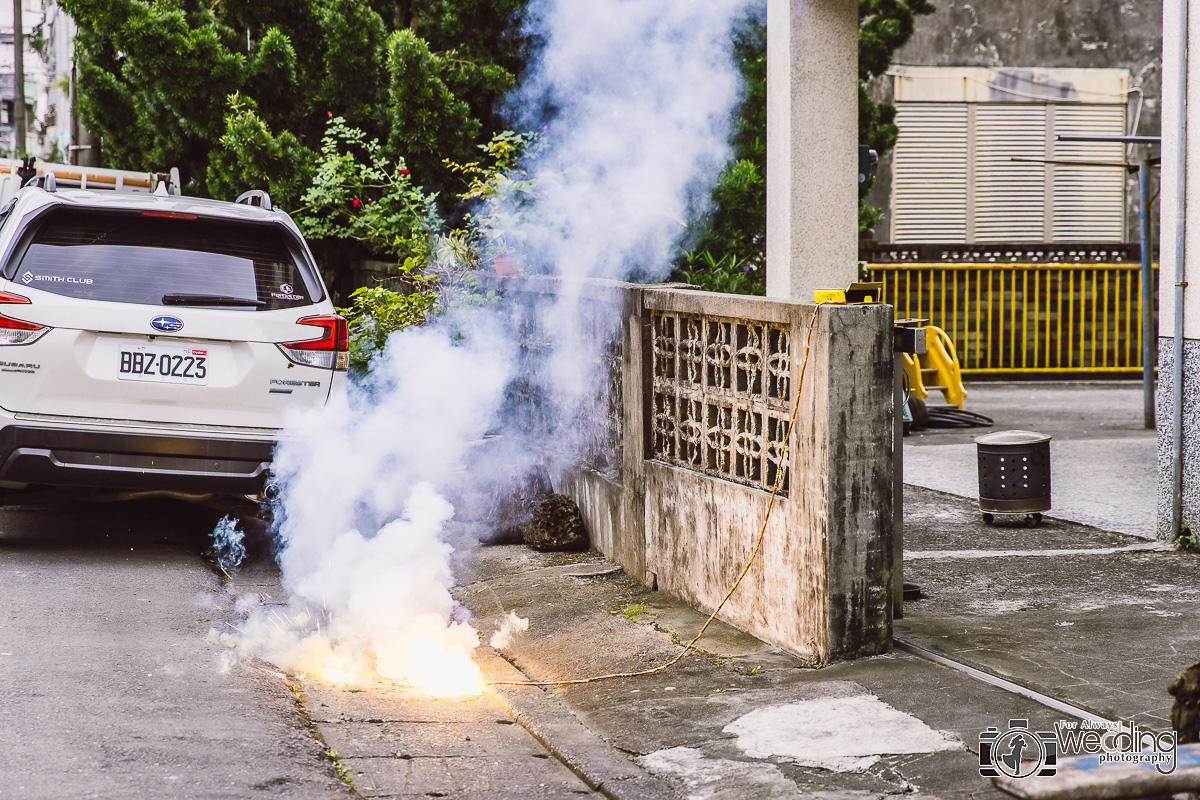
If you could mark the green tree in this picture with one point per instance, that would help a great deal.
(726, 249)
(884, 27)
(237, 93)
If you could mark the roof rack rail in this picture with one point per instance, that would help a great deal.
(249, 198)
(43, 179)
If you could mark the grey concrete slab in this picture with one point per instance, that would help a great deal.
(386, 702)
(423, 739)
(395, 741)
(109, 685)
(466, 747)
(1106, 483)
(534, 776)
(1103, 463)
(599, 764)
(675, 721)
(1102, 628)
(1062, 409)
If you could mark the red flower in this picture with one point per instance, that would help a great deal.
(403, 172)
(329, 113)
(357, 202)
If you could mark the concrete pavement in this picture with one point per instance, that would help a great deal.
(1103, 460)
(1098, 619)
(110, 685)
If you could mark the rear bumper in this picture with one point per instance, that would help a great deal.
(66, 457)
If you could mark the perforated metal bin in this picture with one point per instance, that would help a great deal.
(1014, 474)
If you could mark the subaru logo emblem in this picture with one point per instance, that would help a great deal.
(167, 324)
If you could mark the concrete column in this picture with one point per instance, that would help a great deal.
(1172, 215)
(812, 146)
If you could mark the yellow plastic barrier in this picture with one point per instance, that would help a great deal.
(940, 363)
(912, 371)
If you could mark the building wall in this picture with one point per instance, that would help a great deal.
(1039, 33)
(47, 76)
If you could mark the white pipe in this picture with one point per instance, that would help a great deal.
(1180, 283)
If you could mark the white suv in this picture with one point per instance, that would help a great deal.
(154, 342)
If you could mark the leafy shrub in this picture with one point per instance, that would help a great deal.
(725, 273)
(357, 193)
(377, 312)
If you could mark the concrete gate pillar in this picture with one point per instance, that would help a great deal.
(812, 146)
(1178, 408)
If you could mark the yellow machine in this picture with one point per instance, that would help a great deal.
(936, 368)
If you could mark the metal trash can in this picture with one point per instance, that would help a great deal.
(1014, 475)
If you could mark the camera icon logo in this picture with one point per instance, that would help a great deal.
(1017, 752)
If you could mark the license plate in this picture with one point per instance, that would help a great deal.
(160, 363)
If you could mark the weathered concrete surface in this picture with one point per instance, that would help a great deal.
(394, 741)
(1097, 619)
(860, 432)
(110, 686)
(1102, 459)
(1041, 33)
(726, 722)
(602, 767)
(1058, 33)
(1178, 295)
(820, 589)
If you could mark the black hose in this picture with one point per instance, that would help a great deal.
(952, 417)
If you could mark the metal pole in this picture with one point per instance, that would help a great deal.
(1180, 273)
(1149, 340)
(72, 139)
(898, 486)
(18, 116)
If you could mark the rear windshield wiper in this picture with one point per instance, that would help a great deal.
(209, 300)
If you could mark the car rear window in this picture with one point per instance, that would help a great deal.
(139, 258)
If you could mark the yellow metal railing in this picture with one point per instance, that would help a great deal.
(1026, 318)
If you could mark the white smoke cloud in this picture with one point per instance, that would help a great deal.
(362, 554)
(512, 626)
(228, 544)
(637, 99)
(641, 95)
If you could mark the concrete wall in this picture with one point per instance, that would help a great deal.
(1039, 33)
(821, 585)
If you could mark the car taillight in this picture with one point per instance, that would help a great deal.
(169, 214)
(15, 331)
(331, 351)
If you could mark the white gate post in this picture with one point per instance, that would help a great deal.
(812, 146)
